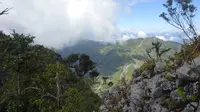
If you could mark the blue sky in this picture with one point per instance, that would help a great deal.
(145, 16)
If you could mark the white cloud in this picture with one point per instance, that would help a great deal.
(141, 34)
(198, 32)
(130, 33)
(162, 38)
(133, 2)
(127, 37)
(56, 22)
(172, 38)
(176, 39)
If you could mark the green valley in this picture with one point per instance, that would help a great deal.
(111, 58)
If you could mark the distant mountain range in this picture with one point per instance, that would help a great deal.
(166, 36)
(111, 56)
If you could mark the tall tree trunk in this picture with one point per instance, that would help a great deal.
(18, 84)
(57, 86)
(18, 90)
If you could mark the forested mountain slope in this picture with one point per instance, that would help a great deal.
(110, 56)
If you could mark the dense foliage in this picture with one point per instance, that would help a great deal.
(34, 78)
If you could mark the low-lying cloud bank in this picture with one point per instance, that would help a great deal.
(127, 34)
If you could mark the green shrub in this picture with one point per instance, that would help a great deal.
(73, 100)
(15, 106)
(44, 105)
(169, 64)
(194, 97)
(168, 77)
(164, 102)
(181, 93)
(88, 100)
(148, 65)
(190, 48)
(110, 84)
(171, 104)
(188, 52)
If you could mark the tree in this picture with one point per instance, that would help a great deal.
(105, 78)
(159, 52)
(93, 75)
(15, 51)
(81, 63)
(180, 14)
(34, 78)
(73, 100)
(22, 62)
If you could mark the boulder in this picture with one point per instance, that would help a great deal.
(190, 108)
(146, 74)
(138, 79)
(184, 69)
(196, 61)
(160, 67)
(157, 92)
(194, 73)
(136, 73)
(182, 76)
(167, 86)
(195, 87)
(176, 96)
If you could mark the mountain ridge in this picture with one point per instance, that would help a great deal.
(110, 56)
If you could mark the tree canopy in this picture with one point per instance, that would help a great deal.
(35, 78)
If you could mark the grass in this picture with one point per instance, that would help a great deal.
(106, 49)
(128, 72)
(134, 53)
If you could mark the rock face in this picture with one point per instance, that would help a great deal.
(176, 91)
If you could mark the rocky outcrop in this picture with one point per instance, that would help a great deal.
(176, 91)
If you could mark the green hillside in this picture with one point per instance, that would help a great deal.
(111, 58)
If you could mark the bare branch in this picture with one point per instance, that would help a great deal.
(5, 11)
(48, 95)
(180, 15)
(34, 88)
